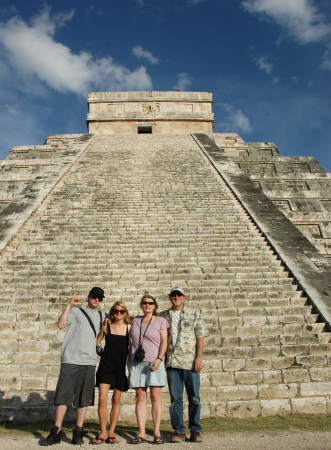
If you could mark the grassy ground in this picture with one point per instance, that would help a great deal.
(297, 422)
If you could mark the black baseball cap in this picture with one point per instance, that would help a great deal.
(97, 292)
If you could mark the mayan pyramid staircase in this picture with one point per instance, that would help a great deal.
(136, 214)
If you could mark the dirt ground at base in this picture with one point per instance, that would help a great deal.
(266, 440)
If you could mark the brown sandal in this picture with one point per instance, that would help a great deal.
(138, 440)
(98, 438)
(112, 440)
(158, 440)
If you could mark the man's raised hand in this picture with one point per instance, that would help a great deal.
(74, 299)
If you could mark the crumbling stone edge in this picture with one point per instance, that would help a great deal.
(306, 264)
(14, 215)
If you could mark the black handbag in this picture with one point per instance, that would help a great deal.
(140, 354)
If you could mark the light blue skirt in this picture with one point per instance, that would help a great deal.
(142, 376)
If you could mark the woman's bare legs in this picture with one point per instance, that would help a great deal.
(155, 393)
(115, 411)
(102, 410)
(141, 410)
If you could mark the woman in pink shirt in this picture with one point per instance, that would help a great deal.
(149, 336)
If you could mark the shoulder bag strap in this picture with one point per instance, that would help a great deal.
(90, 321)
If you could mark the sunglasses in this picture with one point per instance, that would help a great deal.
(118, 311)
(176, 294)
(148, 303)
(97, 298)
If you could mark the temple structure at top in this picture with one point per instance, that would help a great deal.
(150, 112)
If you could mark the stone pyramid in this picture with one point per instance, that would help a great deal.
(150, 197)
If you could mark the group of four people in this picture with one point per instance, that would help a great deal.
(143, 352)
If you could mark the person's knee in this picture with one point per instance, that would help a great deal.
(103, 400)
(116, 400)
(141, 396)
(156, 397)
(195, 401)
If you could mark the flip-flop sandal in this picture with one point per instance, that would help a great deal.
(112, 440)
(98, 438)
(138, 440)
(158, 440)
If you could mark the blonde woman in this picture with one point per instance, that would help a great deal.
(111, 373)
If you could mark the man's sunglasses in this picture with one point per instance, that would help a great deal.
(97, 298)
(148, 303)
(118, 311)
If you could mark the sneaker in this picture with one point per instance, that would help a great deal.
(178, 437)
(77, 436)
(196, 436)
(54, 437)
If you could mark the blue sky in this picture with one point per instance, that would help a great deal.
(267, 63)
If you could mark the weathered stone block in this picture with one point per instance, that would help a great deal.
(309, 405)
(27, 358)
(296, 376)
(217, 409)
(315, 389)
(273, 329)
(274, 391)
(282, 362)
(320, 374)
(294, 350)
(247, 341)
(248, 377)
(222, 379)
(266, 352)
(208, 393)
(11, 383)
(31, 370)
(36, 384)
(243, 409)
(272, 377)
(258, 364)
(275, 408)
(205, 379)
(228, 331)
(51, 383)
(231, 365)
(248, 331)
(34, 346)
(311, 361)
(242, 392)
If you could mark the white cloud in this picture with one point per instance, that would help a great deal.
(183, 81)
(267, 67)
(34, 54)
(139, 52)
(264, 65)
(300, 17)
(236, 120)
(13, 110)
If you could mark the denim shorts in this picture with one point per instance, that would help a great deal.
(142, 376)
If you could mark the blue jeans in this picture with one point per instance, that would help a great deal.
(177, 378)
